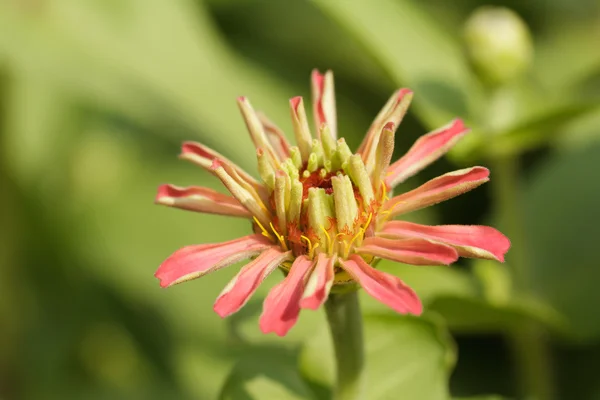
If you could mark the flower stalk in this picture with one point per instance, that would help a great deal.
(345, 325)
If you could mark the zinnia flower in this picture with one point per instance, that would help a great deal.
(322, 214)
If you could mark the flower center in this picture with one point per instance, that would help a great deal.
(326, 204)
(317, 179)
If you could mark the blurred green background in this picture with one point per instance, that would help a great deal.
(95, 98)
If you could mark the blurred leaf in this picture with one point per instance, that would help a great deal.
(470, 302)
(112, 54)
(407, 355)
(476, 315)
(541, 129)
(483, 397)
(579, 133)
(534, 132)
(271, 374)
(567, 54)
(561, 213)
(415, 51)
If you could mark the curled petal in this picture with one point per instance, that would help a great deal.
(280, 144)
(282, 305)
(204, 156)
(437, 190)
(301, 129)
(426, 150)
(386, 288)
(319, 283)
(200, 199)
(416, 251)
(469, 240)
(237, 293)
(323, 97)
(255, 128)
(243, 193)
(393, 111)
(383, 156)
(194, 261)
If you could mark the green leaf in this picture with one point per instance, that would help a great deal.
(415, 51)
(561, 213)
(483, 397)
(408, 355)
(471, 303)
(567, 54)
(112, 55)
(270, 373)
(477, 315)
(547, 126)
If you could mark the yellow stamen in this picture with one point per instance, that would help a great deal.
(329, 242)
(384, 196)
(279, 237)
(311, 249)
(265, 233)
(346, 249)
(361, 231)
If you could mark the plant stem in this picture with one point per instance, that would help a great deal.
(345, 323)
(529, 342)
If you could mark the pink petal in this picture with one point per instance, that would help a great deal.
(393, 111)
(282, 305)
(416, 251)
(319, 283)
(386, 288)
(204, 157)
(200, 199)
(280, 144)
(323, 98)
(242, 191)
(244, 284)
(426, 150)
(469, 240)
(192, 262)
(437, 190)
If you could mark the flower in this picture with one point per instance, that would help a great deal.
(322, 214)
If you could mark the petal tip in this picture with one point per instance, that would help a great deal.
(390, 126)
(163, 283)
(216, 164)
(220, 310)
(310, 303)
(295, 102)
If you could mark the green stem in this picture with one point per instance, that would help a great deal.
(529, 343)
(345, 323)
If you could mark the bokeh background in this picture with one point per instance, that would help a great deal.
(96, 96)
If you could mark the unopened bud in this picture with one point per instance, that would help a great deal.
(499, 43)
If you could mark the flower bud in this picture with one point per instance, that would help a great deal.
(499, 44)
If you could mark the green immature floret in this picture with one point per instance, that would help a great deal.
(296, 157)
(317, 150)
(313, 163)
(341, 154)
(346, 209)
(360, 177)
(290, 169)
(265, 169)
(320, 211)
(327, 142)
(280, 193)
(295, 206)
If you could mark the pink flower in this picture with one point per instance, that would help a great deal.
(322, 214)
